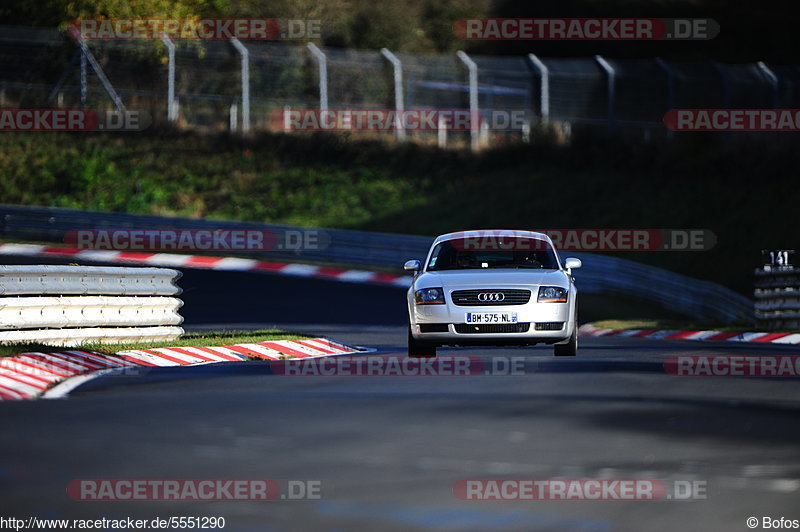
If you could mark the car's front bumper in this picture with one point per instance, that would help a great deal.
(458, 332)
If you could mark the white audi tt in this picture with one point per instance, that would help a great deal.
(492, 288)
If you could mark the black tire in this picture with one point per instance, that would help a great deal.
(570, 349)
(419, 349)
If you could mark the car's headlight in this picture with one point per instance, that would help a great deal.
(552, 294)
(429, 296)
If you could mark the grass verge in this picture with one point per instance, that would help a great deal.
(675, 325)
(696, 181)
(215, 339)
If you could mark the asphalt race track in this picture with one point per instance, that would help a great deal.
(389, 450)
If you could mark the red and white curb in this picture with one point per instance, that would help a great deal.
(174, 260)
(30, 375)
(710, 336)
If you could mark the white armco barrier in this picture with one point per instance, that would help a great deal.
(73, 305)
(85, 280)
(76, 337)
(87, 311)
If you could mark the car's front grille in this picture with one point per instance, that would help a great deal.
(490, 297)
(432, 327)
(492, 328)
(549, 326)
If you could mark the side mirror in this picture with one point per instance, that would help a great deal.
(571, 264)
(412, 265)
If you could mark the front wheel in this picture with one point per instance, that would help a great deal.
(419, 349)
(570, 349)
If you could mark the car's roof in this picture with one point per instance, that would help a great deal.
(483, 233)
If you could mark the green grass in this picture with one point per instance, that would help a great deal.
(215, 339)
(742, 191)
(673, 325)
(594, 307)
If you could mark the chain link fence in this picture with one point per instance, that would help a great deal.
(218, 85)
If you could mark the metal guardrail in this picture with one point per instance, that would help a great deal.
(19, 280)
(76, 337)
(50, 224)
(105, 310)
(88, 311)
(600, 274)
(703, 300)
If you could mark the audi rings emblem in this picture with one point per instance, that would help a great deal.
(491, 296)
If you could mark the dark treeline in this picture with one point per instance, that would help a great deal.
(750, 31)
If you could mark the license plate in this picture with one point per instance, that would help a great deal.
(491, 317)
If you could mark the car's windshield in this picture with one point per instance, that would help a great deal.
(463, 254)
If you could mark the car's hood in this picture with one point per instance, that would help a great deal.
(495, 278)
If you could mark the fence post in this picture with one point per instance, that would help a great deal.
(86, 56)
(172, 114)
(84, 79)
(612, 90)
(544, 87)
(56, 91)
(441, 133)
(474, 118)
(234, 117)
(322, 63)
(397, 68)
(287, 124)
(772, 79)
(245, 84)
(484, 134)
